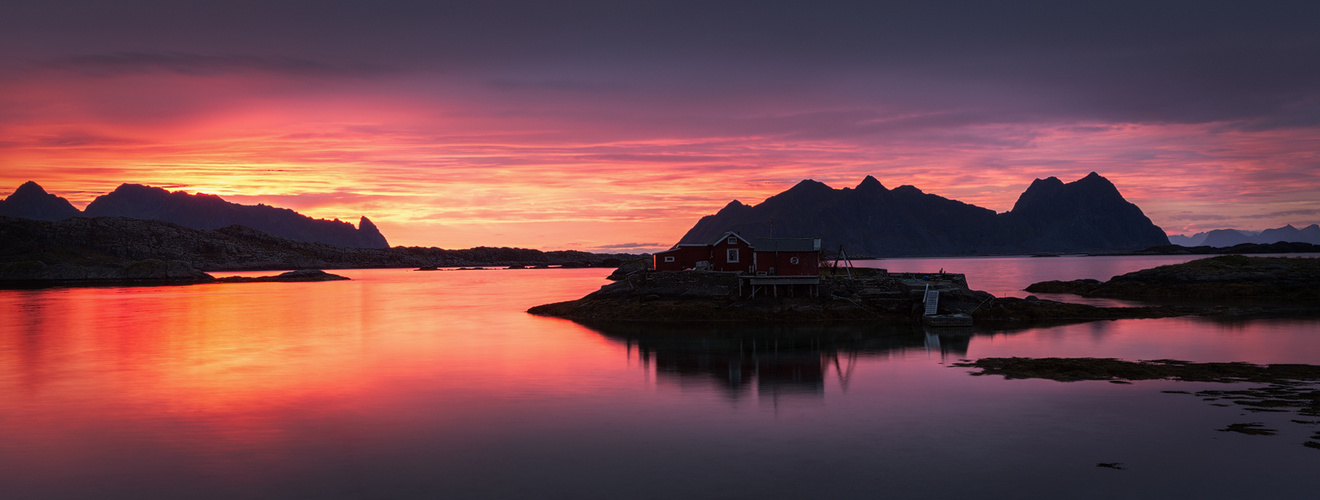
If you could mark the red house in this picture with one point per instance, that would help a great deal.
(787, 256)
(732, 252)
(682, 256)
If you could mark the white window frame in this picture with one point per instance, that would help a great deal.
(733, 240)
(732, 255)
(669, 258)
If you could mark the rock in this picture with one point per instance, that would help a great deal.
(149, 271)
(629, 268)
(1076, 287)
(301, 275)
(114, 242)
(1228, 277)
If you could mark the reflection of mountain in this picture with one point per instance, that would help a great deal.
(778, 360)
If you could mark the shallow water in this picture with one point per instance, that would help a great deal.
(404, 384)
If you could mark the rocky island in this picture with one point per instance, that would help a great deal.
(868, 295)
(135, 251)
(141, 235)
(1291, 285)
(1285, 281)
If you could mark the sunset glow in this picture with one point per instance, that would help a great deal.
(581, 135)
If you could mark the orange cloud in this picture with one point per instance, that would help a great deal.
(457, 163)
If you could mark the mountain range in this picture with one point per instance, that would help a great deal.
(1086, 215)
(197, 211)
(1229, 237)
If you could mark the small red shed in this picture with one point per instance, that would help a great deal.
(787, 256)
(681, 256)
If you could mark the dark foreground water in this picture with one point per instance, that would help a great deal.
(404, 384)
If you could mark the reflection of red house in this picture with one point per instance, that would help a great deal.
(731, 252)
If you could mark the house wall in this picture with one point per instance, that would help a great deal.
(719, 257)
(808, 263)
(668, 260)
(685, 257)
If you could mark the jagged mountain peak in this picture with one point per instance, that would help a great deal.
(1046, 183)
(132, 188)
(733, 207)
(908, 189)
(208, 211)
(29, 188)
(1081, 216)
(1095, 181)
(1049, 193)
(809, 185)
(871, 184)
(31, 201)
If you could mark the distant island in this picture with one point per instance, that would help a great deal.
(1088, 215)
(197, 211)
(119, 249)
(1225, 287)
(1241, 248)
(1284, 281)
(869, 296)
(146, 235)
(1230, 237)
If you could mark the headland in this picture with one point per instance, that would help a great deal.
(864, 295)
(876, 296)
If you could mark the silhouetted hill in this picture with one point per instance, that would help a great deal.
(1230, 237)
(204, 211)
(1241, 248)
(32, 202)
(198, 211)
(28, 246)
(1088, 215)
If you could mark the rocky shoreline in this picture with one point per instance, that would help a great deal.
(1290, 388)
(1225, 285)
(878, 298)
(130, 251)
(1282, 281)
(149, 272)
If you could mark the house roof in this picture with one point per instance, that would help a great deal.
(787, 244)
(683, 245)
(717, 241)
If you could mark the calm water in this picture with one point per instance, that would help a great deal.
(404, 384)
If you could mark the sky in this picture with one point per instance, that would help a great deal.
(614, 125)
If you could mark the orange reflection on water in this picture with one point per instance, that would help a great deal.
(228, 370)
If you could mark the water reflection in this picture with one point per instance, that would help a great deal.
(774, 361)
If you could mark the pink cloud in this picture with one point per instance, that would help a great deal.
(459, 162)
